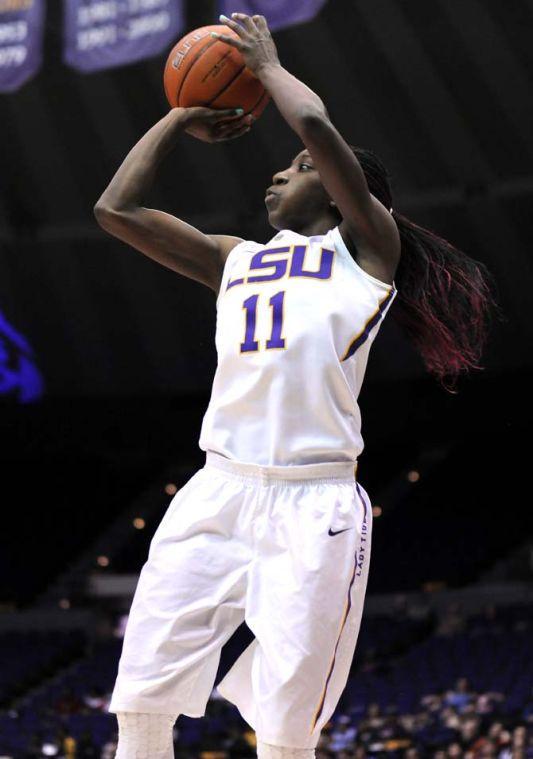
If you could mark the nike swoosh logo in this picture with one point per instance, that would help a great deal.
(331, 532)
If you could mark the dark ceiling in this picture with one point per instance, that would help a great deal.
(442, 91)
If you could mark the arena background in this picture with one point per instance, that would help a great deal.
(106, 358)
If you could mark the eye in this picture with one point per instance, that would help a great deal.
(305, 164)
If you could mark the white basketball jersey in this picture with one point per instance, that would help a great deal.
(295, 321)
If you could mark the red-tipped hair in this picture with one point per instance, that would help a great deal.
(444, 302)
(444, 299)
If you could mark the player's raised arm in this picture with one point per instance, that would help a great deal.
(365, 219)
(159, 235)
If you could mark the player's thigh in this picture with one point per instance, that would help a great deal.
(315, 551)
(195, 574)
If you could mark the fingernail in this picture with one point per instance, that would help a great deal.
(222, 17)
(213, 34)
(239, 111)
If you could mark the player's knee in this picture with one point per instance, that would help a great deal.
(147, 735)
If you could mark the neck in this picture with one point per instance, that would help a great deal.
(318, 226)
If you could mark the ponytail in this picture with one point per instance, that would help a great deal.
(444, 300)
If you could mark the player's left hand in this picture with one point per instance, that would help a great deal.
(255, 42)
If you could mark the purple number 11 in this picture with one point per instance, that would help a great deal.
(275, 340)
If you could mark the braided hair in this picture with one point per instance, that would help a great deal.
(444, 299)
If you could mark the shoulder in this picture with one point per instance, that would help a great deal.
(381, 257)
(225, 244)
(346, 247)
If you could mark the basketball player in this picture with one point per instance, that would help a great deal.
(275, 529)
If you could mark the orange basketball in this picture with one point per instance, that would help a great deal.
(202, 70)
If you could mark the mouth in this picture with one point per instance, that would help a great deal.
(271, 196)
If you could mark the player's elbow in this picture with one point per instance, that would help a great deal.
(313, 115)
(106, 215)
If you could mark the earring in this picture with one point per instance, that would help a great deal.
(332, 203)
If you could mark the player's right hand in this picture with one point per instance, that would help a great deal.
(212, 125)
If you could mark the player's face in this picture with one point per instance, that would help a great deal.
(296, 196)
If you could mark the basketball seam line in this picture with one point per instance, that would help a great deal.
(198, 55)
(265, 93)
(239, 72)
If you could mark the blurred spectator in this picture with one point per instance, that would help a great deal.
(469, 728)
(374, 719)
(460, 696)
(454, 751)
(486, 702)
(109, 749)
(95, 699)
(343, 734)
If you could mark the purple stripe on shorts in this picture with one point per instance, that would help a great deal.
(346, 612)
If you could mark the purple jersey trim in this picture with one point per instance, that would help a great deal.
(369, 326)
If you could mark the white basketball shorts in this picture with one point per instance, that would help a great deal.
(285, 549)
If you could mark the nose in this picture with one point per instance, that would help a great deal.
(280, 177)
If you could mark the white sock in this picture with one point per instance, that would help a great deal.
(145, 736)
(267, 751)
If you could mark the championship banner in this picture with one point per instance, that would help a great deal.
(102, 34)
(278, 13)
(21, 41)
